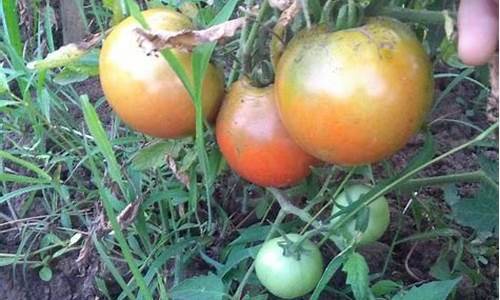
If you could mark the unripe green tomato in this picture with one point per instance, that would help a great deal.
(285, 276)
(378, 215)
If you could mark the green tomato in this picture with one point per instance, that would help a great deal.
(286, 276)
(378, 215)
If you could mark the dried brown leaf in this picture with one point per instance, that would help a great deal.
(181, 176)
(129, 213)
(288, 14)
(156, 40)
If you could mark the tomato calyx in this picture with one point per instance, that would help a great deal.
(293, 249)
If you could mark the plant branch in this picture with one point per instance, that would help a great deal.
(412, 15)
(473, 176)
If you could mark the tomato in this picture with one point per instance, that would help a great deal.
(378, 215)
(253, 140)
(354, 96)
(143, 90)
(286, 276)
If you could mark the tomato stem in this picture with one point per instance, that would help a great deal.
(473, 176)
(412, 15)
(243, 37)
(248, 46)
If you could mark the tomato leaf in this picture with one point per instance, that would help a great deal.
(479, 212)
(436, 290)
(357, 276)
(209, 287)
(152, 156)
(385, 287)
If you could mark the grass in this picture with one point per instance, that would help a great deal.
(66, 160)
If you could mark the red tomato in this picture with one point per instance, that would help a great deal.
(253, 140)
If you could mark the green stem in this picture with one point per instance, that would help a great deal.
(473, 176)
(277, 222)
(247, 48)
(243, 37)
(412, 15)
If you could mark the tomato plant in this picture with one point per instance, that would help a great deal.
(143, 90)
(253, 140)
(285, 273)
(360, 93)
(378, 215)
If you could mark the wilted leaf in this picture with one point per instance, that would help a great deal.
(157, 40)
(209, 287)
(437, 290)
(65, 55)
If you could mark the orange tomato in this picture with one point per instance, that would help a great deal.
(253, 140)
(354, 96)
(143, 90)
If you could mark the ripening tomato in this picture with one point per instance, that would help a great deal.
(288, 276)
(253, 140)
(378, 215)
(354, 96)
(143, 90)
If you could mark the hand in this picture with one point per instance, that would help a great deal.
(477, 30)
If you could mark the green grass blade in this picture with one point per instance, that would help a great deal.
(5, 177)
(127, 253)
(21, 191)
(112, 269)
(200, 61)
(100, 138)
(10, 21)
(26, 164)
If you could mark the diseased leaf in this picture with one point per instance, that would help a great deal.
(66, 54)
(436, 290)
